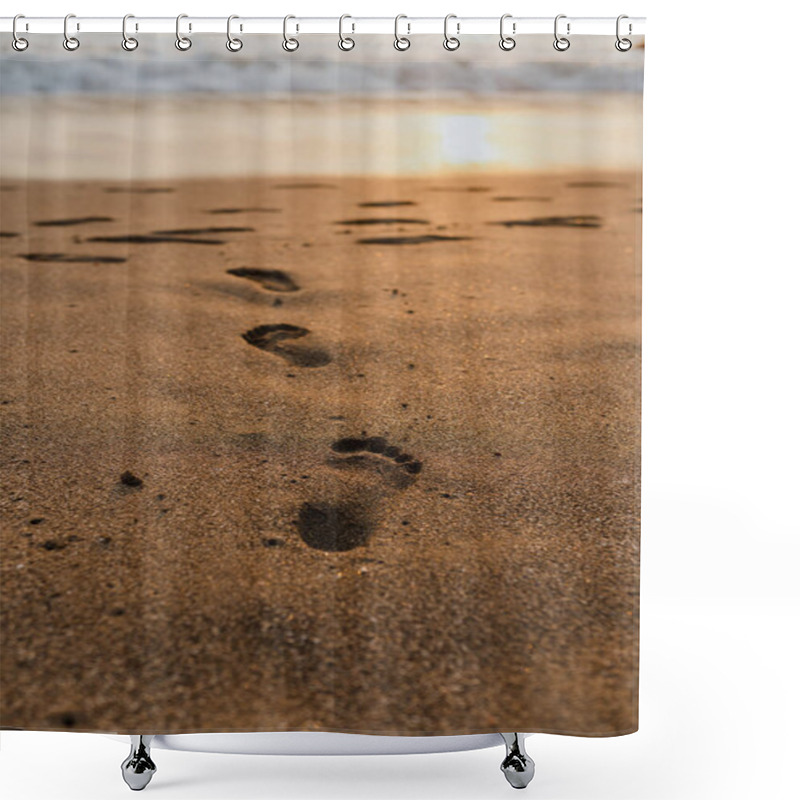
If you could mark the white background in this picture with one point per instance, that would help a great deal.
(720, 599)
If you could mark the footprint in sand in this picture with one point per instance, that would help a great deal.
(283, 341)
(387, 203)
(201, 231)
(66, 258)
(348, 522)
(584, 221)
(424, 239)
(153, 239)
(384, 221)
(73, 221)
(513, 199)
(276, 280)
(250, 210)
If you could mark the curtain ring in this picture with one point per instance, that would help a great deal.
(233, 44)
(451, 42)
(183, 43)
(401, 42)
(507, 42)
(623, 45)
(17, 42)
(71, 43)
(561, 43)
(290, 44)
(128, 42)
(346, 42)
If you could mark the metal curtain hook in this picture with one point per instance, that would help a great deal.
(623, 45)
(182, 42)
(507, 42)
(561, 43)
(129, 43)
(290, 44)
(17, 42)
(451, 42)
(346, 42)
(401, 42)
(70, 42)
(233, 44)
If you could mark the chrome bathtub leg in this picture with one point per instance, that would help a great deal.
(138, 768)
(517, 766)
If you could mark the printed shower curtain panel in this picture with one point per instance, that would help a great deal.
(320, 398)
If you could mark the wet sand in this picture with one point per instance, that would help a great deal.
(339, 454)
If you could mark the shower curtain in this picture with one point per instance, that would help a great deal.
(321, 386)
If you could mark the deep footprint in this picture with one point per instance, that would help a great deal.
(275, 280)
(412, 239)
(511, 199)
(589, 221)
(374, 452)
(343, 525)
(333, 527)
(384, 221)
(140, 239)
(200, 231)
(253, 210)
(279, 339)
(64, 258)
(387, 203)
(75, 221)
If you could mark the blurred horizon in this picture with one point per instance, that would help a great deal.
(479, 67)
(99, 137)
(103, 113)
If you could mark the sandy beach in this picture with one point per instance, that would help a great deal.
(381, 478)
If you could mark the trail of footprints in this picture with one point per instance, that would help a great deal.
(343, 524)
(276, 280)
(340, 525)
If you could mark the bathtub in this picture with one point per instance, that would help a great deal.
(138, 768)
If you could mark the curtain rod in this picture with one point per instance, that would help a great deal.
(407, 26)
